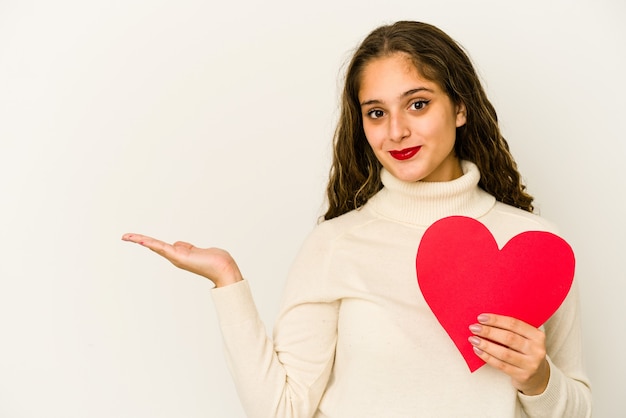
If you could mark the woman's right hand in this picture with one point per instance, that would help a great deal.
(215, 264)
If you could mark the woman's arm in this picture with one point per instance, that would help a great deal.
(286, 377)
(545, 367)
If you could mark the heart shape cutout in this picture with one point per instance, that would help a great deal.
(462, 273)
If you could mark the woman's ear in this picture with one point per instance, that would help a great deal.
(461, 114)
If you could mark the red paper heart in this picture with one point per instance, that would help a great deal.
(462, 273)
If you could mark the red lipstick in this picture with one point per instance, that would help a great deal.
(405, 154)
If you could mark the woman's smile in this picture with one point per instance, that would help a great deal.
(405, 154)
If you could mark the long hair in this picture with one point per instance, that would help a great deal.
(355, 171)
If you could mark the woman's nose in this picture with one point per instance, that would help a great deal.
(398, 127)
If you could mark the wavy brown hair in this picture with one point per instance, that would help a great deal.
(355, 171)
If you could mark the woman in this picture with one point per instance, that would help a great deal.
(417, 141)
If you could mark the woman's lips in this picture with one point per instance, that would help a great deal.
(405, 154)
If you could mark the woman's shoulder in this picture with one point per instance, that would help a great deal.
(342, 225)
(322, 241)
(519, 218)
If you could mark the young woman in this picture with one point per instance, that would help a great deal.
(417, 141)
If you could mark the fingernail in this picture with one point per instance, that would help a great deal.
(482, 318)
(477, 350)
(475, 328)
(474, 340)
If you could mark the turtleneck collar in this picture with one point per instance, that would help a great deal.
(422, 203)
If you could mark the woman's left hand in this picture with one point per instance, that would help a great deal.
(516, 348)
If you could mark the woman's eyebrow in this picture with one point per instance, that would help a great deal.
(405, 94)
(417, 90)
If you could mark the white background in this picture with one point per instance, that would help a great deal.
(211, 122)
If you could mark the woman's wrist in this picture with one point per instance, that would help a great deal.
(231, 275)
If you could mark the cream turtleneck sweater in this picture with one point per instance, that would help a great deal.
(355, 337)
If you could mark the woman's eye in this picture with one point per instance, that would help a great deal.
(420, 104)
(375, 113)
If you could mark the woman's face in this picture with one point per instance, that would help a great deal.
(409, 122)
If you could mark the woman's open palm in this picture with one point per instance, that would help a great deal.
(215, 264)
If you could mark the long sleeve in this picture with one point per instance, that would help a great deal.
(285, 377)
(568, 394)
(355, 337)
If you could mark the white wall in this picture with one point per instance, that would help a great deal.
(211, 122)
